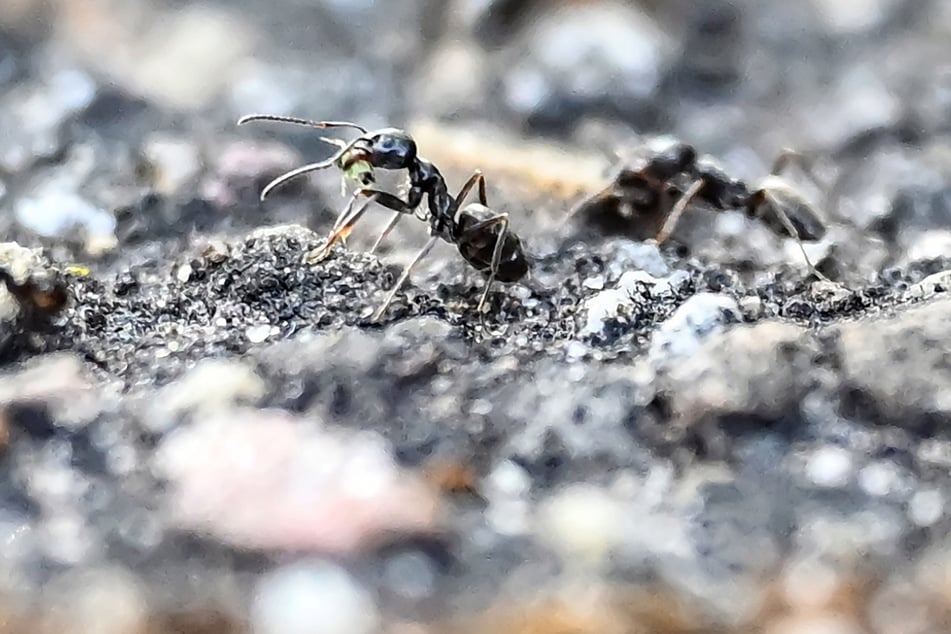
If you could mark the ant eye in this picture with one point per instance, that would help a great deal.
(389, 144)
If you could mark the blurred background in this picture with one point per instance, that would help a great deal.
(153, 88)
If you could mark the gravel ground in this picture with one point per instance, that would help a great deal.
(213, 436)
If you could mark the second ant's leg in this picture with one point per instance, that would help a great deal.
(595, 199)
(403, 277)
(805, 163)
(790, 157)
(671, 222)
(476, 177)
(791, 228)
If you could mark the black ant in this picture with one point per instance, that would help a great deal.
(482, 235)
(669, 170)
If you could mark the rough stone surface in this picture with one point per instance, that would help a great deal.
(911, 381)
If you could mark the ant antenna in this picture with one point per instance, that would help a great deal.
(298, 121)
(330, 141)
(304, 169)
(311, 167)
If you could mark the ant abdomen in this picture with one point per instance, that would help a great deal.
(776, 198)
(478, 231)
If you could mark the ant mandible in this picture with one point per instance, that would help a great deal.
(670, 170)
(482, 236)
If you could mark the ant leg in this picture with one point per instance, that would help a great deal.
(830, 191)
(401, 207)
(791, 228)
(389, 227)
(476, 177)
(403, 277)
(804, 162)
(387, 199)
(671, 222)
(599, 198)
(346, 221)
(346, 210)
(499, 219)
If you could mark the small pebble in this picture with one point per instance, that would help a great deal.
(184, 273)
(187, 59)
(930, 286)
(410, 575)
(752, 307)
(312, 597)
(258, 334)
(588, 51)
(594, 283)
(682, 333)
(829, 467)
(175, 162)
(99, 601)
(926, 507)
(850, 17)
(879, 478)
(584, 523)
(212, 385)
(55, 212)
(616, 303)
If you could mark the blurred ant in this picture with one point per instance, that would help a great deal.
(41, 297)
(670, 170)
(482, 235)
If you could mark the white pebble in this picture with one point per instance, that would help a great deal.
(52, 213)
(879, 478)
(594, 283)
(698, 317)
(509, 479)
(583, 523)
(108, 601)
(184, 273)
(829, 467)
(618, 302)
(312, 597)
(176, 162)
(926, 507)
(258, 334)
(213, 384)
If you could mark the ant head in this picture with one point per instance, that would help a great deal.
(387, 149)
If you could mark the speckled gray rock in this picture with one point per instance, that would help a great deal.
(760, 370)
(898, 366)
(696, 319)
